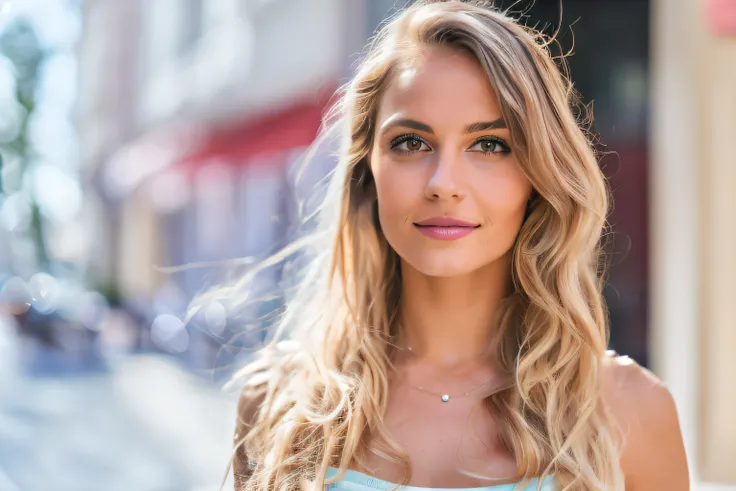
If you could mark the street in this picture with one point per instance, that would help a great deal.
(146, 425)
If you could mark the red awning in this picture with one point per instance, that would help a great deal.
(246, 142)
(187, 147)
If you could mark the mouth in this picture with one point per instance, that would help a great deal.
(445, 228)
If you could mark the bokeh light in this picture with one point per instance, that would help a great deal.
(170, 334)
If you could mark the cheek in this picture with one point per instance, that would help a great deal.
(505, 204)
(504, 197)
(397, 191)
(394, 205)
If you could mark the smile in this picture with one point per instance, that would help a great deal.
(445, 228)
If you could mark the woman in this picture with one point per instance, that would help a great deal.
(452, 332)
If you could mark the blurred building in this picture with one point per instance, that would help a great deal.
(192, 116)
(693, 232)
(193, 112)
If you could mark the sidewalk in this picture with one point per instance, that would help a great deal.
(147, 425)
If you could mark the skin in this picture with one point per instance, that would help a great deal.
(453, 289)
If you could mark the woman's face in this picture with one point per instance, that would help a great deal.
(451, 197)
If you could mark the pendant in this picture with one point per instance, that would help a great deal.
(445, 398)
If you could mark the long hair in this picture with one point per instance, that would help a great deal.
(322, 395)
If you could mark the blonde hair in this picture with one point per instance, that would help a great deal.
(322, 395)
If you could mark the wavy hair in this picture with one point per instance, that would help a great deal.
(321, 395)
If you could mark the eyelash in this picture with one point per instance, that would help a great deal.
(505, 148)
(395, 142)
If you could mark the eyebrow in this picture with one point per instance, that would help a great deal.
(419, 126)
(486, 125)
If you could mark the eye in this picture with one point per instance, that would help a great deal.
(490, 144)
(408, 144)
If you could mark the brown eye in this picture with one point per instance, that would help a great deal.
(409, 144)
(413, 145)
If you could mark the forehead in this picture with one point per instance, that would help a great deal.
(441, 85)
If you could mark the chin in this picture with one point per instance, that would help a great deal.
(442, 267)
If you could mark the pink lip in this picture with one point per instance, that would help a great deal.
(445, 228)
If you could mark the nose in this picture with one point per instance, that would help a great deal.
(445, 181)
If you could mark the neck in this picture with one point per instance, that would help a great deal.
(451, 321)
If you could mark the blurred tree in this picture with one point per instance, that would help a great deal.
(19, 44)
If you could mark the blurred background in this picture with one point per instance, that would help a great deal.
(141, 135)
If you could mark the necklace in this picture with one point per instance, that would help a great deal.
(447, 397)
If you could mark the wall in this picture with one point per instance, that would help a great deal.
(693, 231)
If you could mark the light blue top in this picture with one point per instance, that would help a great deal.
(355, 481)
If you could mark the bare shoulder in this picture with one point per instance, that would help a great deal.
(624, 380)
(653, 455)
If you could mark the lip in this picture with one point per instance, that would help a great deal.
(445, 228)
(445, 222)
